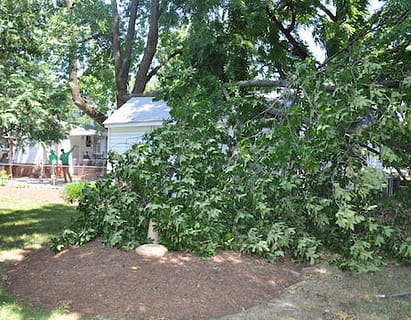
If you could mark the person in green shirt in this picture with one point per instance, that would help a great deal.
(64, 158)
(53, 162)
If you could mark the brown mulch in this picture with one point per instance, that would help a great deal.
(93, 280)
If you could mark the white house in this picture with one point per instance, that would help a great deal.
(127, 125)
(32, 159)
(89, 140)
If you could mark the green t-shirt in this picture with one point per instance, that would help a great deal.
(64, 158)
(53, 159)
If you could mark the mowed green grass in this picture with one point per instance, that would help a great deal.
(26, 225)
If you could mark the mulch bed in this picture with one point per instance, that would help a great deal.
(93, 280)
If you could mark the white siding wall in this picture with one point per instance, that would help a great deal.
(30, 154)
(121, 139)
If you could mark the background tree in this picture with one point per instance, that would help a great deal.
(32, 103)
(116, 55)
(124, 48)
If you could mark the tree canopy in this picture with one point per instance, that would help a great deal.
(32, 101)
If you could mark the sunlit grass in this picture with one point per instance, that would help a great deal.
(15, 311)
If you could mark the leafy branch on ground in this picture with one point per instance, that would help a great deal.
(271, 171)
(221, 177)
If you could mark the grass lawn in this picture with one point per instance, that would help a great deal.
(26, 225)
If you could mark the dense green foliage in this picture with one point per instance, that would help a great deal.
(221, 176)
(72, 191)
(32, 103)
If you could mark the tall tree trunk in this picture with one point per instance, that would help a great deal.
(122, 60)
(142, 75)
(11, 154)
(122, 56)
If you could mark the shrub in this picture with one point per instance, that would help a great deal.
(72, 191)
(4, 177)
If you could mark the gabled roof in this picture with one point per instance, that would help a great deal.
(139, 110)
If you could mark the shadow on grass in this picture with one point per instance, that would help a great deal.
(11, 309)
(22, 228)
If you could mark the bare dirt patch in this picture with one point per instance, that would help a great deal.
(93, 280)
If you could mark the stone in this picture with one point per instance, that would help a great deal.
(152, 250)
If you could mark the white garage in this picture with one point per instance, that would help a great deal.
(127, 125)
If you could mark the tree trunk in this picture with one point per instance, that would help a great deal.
(142, 77)
(122, 60)
(11, 155)
(122, 56)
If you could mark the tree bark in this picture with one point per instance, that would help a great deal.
(78, 99)
(141, 77)
(259, 83)
(286, 84)
(122, 56)
(122, 60)
(298, 49)
(326, 11)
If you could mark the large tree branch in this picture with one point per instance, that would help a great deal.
(78, 99)
(116, 37)
(141, 77)
(297, 48)
(293, 17)
(287, 84)
(259, 83)
(326, 11)
(153, 72)
(121, 75)
(129, 38)
(280, 71)
(76, 95)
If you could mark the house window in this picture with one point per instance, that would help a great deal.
(88, 141)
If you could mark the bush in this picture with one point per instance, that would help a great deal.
(72, 191)
(4, 177)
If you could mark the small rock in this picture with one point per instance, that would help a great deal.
(152, 250)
